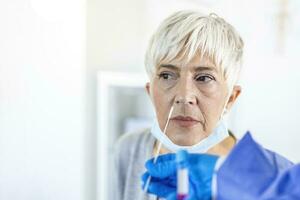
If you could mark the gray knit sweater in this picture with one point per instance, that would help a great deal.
(131, 153)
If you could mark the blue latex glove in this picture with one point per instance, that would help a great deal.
(163, 173)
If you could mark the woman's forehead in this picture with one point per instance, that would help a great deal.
(197, 63)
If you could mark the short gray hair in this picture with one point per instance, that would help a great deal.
(185, 33)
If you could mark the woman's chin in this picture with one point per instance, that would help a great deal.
(184, 140)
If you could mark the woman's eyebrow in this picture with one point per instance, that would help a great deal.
(196, 68)
(169, 66)
(205, 68)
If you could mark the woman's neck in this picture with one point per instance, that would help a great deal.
(221, 149)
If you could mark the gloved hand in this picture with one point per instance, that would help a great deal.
(164, 179)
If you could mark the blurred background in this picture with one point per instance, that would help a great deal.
(72, 78)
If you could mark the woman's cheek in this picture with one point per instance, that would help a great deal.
(209, 90)
(165, 85)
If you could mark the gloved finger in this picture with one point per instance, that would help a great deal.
(160, 189)
(163, 157)
(200, 177)
(161, 169)
(172, 196)
(170, 181)
(145, 177)
(206, 159)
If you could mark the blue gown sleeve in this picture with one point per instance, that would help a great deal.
(286, 186)
(250, 172)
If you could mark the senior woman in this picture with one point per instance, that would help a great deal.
(193, 62)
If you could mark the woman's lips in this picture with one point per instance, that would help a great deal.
(185, 121)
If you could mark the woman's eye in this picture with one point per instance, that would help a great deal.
(205, 78)
(166, 76)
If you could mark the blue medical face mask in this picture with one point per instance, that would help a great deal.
(219, 133)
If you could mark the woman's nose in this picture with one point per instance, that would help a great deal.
(191, 100)
(186, 92)
(186, 95)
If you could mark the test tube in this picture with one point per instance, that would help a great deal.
(182, 175)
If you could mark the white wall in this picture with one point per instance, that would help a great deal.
(115, 33)
(42, 100)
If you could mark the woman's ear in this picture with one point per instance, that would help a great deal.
(147, 87)
(234, 95)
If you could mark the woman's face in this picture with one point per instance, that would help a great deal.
(198, 92)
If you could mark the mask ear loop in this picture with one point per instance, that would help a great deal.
(158, 148)
(224, 108)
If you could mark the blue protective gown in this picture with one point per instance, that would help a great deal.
(252, 172)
